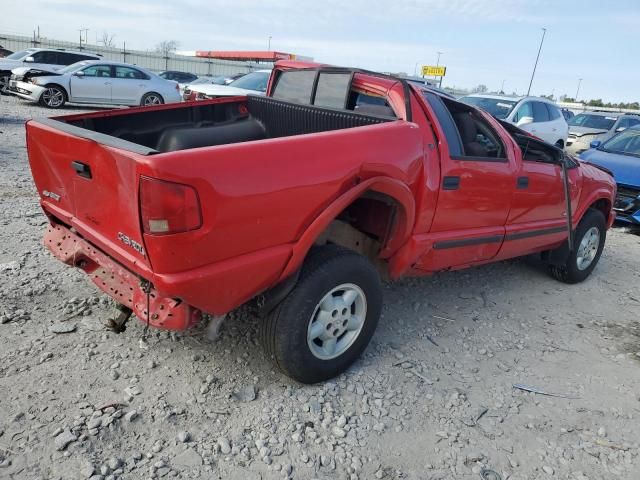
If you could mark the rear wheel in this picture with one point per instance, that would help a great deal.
(328, 319)
(151, 98)
(54, 96)
(589, 241)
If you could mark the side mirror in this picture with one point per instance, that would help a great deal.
(524, 121)
(595, 144)
(29, 59)
(79, 74)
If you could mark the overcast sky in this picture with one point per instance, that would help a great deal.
(483, 41)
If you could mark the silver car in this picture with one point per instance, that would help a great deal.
(586, 127)
(95, 82)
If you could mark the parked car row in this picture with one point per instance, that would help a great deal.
(53, 77)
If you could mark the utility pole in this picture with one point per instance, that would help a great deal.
(502, 87)
(544, 32)
(269, 44)
(578, 90)
(85, 30)
(437, 65)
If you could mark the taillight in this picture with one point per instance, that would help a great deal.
(168, 207)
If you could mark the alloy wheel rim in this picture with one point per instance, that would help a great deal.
(337, 321)
(588, 248)
(152, 100)
(53, 97)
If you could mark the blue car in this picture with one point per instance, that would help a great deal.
(621, 155)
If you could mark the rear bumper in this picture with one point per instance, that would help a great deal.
(119, 283)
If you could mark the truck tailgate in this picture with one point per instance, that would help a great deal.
(90, 187)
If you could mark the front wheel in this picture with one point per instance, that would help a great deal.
(151, 98)
(53, 97)
(328, 319)
(587, 249)
(4, 85)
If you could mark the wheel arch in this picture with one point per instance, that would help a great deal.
(381, 189)
(61, 87)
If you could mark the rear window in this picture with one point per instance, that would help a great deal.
(332, 90)
(295, 86)
(554, 112)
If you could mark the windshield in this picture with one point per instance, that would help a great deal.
(625, 143)
(498, 107)
(592, 121)
(19, 55)
(252, 81)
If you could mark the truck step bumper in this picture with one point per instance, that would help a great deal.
(119, 283)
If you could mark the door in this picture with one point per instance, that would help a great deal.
(129, 85)
(538, 217)
(476, 184)
(93, 85)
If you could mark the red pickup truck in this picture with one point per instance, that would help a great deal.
(303, 200)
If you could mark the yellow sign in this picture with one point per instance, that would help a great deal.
(431, 71)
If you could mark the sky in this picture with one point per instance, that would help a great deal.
(482, 41)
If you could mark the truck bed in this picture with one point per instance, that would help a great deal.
(266, 170)
(206, 124)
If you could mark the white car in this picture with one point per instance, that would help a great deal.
(254, 83)
(95, 82)
(538, 116)
(50, 59)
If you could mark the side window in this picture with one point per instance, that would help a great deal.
(332, 90)
(67, 58)
(524, 110)
(554, 112)
(479, 140)
(626, 122)
(130, 73)
(50, 58)
(540, 112)
(361, 102)
(295, 86)
(97, 71)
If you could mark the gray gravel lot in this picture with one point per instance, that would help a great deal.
(432, 398)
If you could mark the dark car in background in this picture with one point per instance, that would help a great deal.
(586, 127)
(621, 156)
(180, 77)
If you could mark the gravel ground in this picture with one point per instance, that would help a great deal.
(432, 398)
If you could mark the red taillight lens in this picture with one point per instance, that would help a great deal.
(168, 207)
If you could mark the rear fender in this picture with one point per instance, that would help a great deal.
(401, 231)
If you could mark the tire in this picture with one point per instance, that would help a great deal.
(4, 85)
(587, 250)
(329, 272)
(53, 97)
(151, 98)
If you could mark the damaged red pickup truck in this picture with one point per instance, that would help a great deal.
(304, 199)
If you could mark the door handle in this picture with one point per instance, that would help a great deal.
(82, 169)
(522, 183)
(107, 83)
(451, 183)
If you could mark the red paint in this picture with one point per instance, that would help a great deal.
(264, 203)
